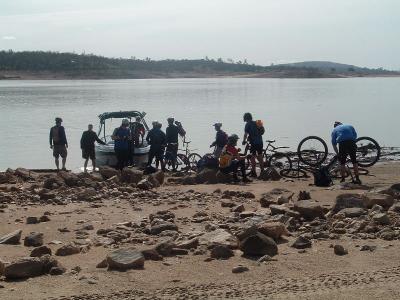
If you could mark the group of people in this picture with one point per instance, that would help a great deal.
(128, 135)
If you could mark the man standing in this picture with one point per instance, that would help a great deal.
(252, 132)
(121, 137)
(156, 139)
(345, 136)
(88, 139)
(221, 139)
(172, 133)
(59, 144)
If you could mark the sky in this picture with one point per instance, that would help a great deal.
(360, 32)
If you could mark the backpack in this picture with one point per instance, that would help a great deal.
(207, 161)
(322, 178)
(260, 127)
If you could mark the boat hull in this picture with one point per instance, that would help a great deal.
(105, 155)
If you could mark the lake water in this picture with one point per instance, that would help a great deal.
(290, 108)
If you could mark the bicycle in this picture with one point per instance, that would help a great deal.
(186, 161)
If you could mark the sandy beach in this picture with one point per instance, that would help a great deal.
(193, 237)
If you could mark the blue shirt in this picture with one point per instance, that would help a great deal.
(122, 143)
(343, 133)
(254, 135)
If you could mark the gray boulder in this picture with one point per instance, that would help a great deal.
(381, 218)
(40, 251)
(34, 239)
(108, 172)
(347, 201)
(258, 245)
(219, 237)
(125, 259)
(309, 210)
(352, 212)
(68, 249)
(156, 229)
(24, 268)
(12, 238)
(383, 200)
(221, 252)
(130, 175)
(301, 242)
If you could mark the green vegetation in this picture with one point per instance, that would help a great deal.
(71, 65)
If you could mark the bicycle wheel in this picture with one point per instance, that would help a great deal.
(280, 161)
(368, 151)
(193, 158)
(293, 173)
(312, 151)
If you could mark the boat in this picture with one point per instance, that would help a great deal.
(105, 154)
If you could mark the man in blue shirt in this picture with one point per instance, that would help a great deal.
(345, 136)
(122, 137)
(252, 133)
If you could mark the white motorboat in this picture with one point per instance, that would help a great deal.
(105, 154)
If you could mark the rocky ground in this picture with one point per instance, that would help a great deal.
(132, 236)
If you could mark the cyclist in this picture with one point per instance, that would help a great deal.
(172, 133)
(345, 136)
(221, 139)
(156, 139)
(253, 133)
(230, 160)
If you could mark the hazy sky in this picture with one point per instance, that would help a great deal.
(360, 32)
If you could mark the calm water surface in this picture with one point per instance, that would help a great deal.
(290, 108)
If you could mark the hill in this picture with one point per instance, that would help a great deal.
(55, 65)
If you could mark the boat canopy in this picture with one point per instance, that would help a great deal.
(120, 115)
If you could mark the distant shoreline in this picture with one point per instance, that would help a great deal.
(62, 76)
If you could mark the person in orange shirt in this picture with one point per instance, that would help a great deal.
(230, 160)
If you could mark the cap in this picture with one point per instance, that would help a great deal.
(125, 122)
(218, 125)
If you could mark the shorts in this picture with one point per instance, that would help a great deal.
(60, 150)
(256, 149)
(158, 153)
(347, 148)
(88, 153)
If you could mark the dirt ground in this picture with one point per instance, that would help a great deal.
(312, 274)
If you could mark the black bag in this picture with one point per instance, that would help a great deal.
(207, 161)
(322, 177)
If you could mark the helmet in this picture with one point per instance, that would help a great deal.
(170, 119)
(58, 120)
(125, 122)
(247, 117)
(233, 137)
(218, 125)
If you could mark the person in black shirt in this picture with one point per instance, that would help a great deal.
(88, 139)
(172, 133)
(221, 140)
(59, 144)
(156, 139)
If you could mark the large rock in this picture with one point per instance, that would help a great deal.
(108, 172)
(68, 249)
(219, 237)
(271, 197)
(24, 268)
(272, 229)
(125, 259)
(156, 229)
(53, 182)
(157, 178)
(207, 175)
(165, 247)
(309, 210)
(258, 245)
(12, 238)
(25, 173)
(301, 242)
(188, 244)
(352, 212)
(34, 239)
(383, 200)
(381, 218)
(131, 175)
(40, 251)
(221, 252)
(144, 184)
(69, 178)
(347, 201)
(270, 173)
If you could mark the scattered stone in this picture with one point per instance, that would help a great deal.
(189, 244)
(219, 237)
(371, 199)
(270, 173)
(40, 251)
(151, 254)
(381, 218)
(352, 212)
(367, 248)
(240, 269)
(303, 195)
(44, 218)
(221, 252)
(12, 238)
(131, 175)
(207, 175)
(32, 220)
(258, 245)
(165, 247)
(301, 242)
(156, 229)
(108, 172)
(395, 207)
(240, 208)
(145, 185)
(34, 239)
(68, 249)
(24, 268)
(103, 264)
(125, 259)
(274, 230)
(309, 210)
(347, 201)
(265, 258)
(339, 250)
